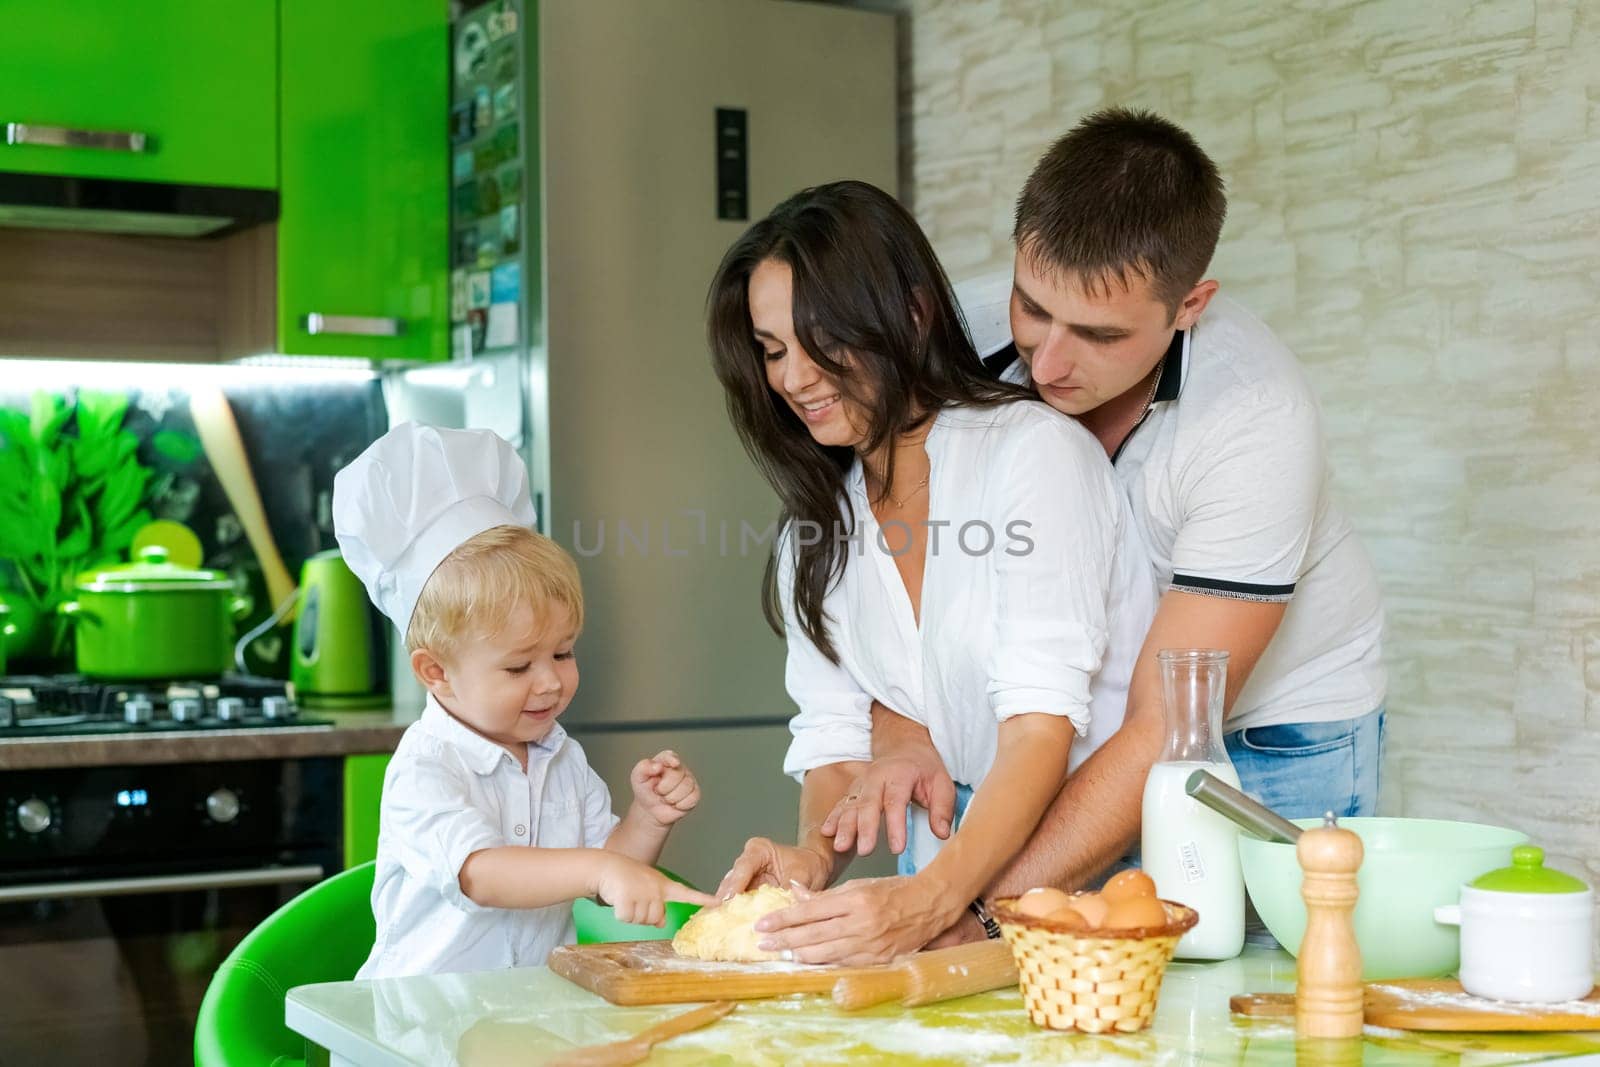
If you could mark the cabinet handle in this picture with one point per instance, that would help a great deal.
(363, 325)
(67, 137)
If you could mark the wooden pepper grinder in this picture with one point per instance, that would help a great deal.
(1328, 1000)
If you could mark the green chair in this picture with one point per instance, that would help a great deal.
(322, 935)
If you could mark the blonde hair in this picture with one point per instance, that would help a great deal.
(473, 593)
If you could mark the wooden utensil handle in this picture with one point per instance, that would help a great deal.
(224, 448)
(637, 1047)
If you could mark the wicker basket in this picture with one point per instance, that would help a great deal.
(1091, 980)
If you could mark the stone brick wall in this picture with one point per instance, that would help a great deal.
(1415, 206)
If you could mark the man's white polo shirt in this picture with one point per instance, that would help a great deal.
(449, 792)
(1228, 480)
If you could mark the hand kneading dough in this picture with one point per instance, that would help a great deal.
(727, 932)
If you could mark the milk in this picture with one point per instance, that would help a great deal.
(1192, 853)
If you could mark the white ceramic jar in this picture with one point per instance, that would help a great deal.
(1527, 933)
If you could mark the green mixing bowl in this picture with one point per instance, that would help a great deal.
(1410, 867)
(597, 923)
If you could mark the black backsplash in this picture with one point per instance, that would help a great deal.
(297, 434)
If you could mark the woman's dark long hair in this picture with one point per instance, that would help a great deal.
(873, 308)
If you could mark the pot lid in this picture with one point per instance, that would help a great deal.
(1528, 874)
(152, 571)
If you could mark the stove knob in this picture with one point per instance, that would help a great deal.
(138, 711)
(33, 815)
(230, 709)
(185, 709)
(222, 805)
(277, 708)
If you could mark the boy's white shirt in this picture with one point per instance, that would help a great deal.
(449, 792)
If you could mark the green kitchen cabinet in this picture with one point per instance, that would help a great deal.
(363, 791)
(198, 82)
(362, 235)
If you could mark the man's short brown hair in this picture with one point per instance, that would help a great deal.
(1124, 192)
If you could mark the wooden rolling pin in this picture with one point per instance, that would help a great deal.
(928, 977)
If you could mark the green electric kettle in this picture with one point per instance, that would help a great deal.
(339, 659)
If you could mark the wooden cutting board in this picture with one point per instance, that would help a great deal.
(649, 972)
(1440, 1004)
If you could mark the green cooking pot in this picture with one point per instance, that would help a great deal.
(154, 619)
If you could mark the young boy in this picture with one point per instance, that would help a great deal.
(492, 821)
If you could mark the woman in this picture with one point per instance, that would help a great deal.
(950, 547)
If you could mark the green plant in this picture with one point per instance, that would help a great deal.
(71, 494)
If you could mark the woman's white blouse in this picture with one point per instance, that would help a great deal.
(1036, 597)
(449, 792)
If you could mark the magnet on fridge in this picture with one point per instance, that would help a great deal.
(488, 198)
(458, 295)
(478, 289)
(461, 341)
(482, 109)
(466, 250)
(501, 328)
(510, 184)
(472, 50)
(505, 143)
(505, 282)
(510, 235)
(488, 247)
(478, 323)
(461, 122)
(505, 101)
(504, 65)
(461, 165)
(466, 199)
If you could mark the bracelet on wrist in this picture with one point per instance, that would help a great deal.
(991, 928)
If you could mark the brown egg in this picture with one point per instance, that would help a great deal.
(1038, 903)
(1136, 912)
(1128, 884)
(1069, 917)
(1093, 908)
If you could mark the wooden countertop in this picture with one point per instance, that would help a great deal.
(348, 733)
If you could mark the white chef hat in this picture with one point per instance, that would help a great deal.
(413, 497)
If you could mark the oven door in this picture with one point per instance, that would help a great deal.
(112, 970)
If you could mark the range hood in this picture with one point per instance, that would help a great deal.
(106, 205)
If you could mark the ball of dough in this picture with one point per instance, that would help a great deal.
(727, 932)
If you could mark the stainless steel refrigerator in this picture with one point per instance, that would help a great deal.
(641, 140)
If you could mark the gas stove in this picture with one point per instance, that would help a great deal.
(63, 704)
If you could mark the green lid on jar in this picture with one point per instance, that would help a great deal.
(1527, 874)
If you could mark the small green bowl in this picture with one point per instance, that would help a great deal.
(597, 923)
(1410, 867)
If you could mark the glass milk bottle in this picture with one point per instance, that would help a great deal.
(1190, 851)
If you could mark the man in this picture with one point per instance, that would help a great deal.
(1214, 433)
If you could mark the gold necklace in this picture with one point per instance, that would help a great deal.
(914, 491)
